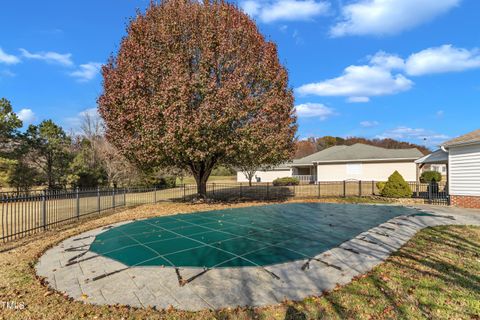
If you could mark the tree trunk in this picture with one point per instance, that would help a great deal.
(202, 186)
(50, 181)
(201, 171)
(249, 175)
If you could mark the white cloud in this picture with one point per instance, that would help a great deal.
(8, 58)
(27, 116)
(90, 112)
(440, 113)
(387, 17)
(251, 7)
(50, 57)
(369, 124)
(358, 83)
(386, 74)
(387, 61)
(7, 74)
(284, 10)
(75, 123)
(418, 135)
(319, 110)
(441, 59)
(358, 99)
(86, 72)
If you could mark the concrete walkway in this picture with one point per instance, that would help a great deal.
(70, 268)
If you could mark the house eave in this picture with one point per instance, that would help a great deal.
(462, 144)
(365, 160)
(301, 164)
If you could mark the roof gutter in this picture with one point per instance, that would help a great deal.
(460, 144)
(367, 160)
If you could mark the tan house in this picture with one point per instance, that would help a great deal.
(464, 169)
(339, 163)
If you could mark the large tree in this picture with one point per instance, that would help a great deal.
(50, 151)
(192, 84)
(9, 125)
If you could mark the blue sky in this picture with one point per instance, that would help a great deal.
(405, 69)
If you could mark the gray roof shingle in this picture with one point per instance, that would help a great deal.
(471, 137)
(357, 152)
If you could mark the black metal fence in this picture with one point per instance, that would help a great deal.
(23, 214)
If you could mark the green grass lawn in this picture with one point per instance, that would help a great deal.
(434, 276)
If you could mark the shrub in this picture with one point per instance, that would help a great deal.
(396, 187)
(429, 176)
(221, 170)
(167, 182)
(286, 181)
(380, 185)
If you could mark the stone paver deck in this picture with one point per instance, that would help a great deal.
(70, 268)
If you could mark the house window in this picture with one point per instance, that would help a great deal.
(354, 168)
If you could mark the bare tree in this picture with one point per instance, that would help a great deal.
(119, 170)
(92, 129)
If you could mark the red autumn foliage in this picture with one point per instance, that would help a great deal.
(305, 148)
(196, 84)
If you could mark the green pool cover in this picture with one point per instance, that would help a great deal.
(241, 237)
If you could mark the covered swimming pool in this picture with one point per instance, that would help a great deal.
(241, 237)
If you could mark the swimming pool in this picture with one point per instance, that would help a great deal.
(241, 237)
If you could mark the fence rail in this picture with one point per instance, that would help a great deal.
(305, 178)
(26, 213)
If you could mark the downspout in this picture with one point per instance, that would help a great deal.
(447, 186)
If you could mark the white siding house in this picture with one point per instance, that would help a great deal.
(366, 171)
(265, 175)
(464, 173)
(339, 163)
(464, 169)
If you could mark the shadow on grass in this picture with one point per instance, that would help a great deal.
(435, 276)
(294, 314)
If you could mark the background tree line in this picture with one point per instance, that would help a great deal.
(312, 145)
(45, 155)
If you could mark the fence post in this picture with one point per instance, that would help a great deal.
(184, 199)
(113, 198)
(78, 203)
(319, 190)
(344, 188)
(98, 199)
(373, 188)
(417, 186)
(268, 183)
(430, 191)
(44, 209)
(240, 189)
(213, 189)
(125, 196)
(360, 188)
(155, 194)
